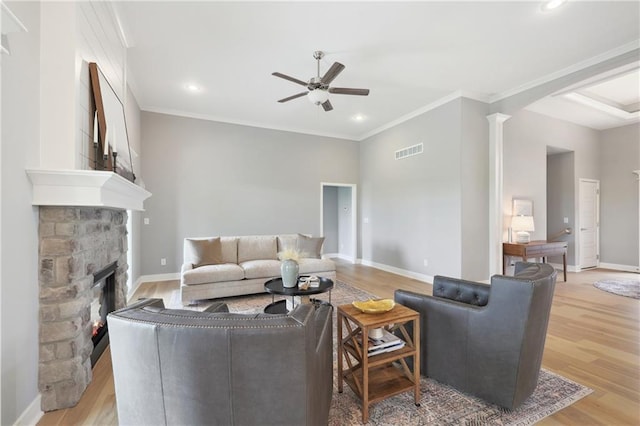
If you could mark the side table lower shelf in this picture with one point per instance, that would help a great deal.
(384, 382)
(374, 378)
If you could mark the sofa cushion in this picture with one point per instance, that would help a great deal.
(213, 274)
(261, 269)
(287, 242)
(229, 249)
(261, 247)
(205, 251)
(308, 266)
(309, 246)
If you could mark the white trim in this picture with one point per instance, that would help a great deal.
(243, 122)
(157, 277)
(85, 188)
(629, 47)
(496, 182)
(429, 107)
(354, 214)
(578, 238)
(152, 278)
(601, 106)
(133, 288)
(614, 266)
(339, 256)
(403, 272)
(32, 414)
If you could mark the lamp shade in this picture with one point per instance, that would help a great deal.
(522, 223)
(318, 96)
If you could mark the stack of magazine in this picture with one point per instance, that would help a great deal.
(387, 343)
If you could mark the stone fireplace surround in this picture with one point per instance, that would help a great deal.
(75, 242)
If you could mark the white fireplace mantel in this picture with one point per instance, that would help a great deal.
(89, 188)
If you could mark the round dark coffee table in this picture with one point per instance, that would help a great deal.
(274, 286)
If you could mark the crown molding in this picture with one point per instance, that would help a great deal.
(429, 107)
(629, 47)
(243, 122)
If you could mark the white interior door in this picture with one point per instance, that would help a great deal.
(589, 221)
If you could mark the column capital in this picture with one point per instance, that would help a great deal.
(498, 117)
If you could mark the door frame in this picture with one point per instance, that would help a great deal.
(578, 234)
(354, 214)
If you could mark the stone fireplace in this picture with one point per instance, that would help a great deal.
(82, 233)
(76, 243)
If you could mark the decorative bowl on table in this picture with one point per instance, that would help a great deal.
(377, 306)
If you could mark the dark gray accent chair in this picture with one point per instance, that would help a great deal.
(181, 367)
(486, 340)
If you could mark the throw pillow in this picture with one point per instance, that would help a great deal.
(206, 252)
(310, 246)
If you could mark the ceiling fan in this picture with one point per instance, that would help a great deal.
(318, 87)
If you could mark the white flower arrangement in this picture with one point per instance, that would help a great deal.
(291, 254)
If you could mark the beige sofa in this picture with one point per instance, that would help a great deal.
(233, 266)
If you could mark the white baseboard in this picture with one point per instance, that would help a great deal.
(152, 278)
(159, 277)
(32, 415)
(398, 271)
(625, 268)
(339, 256)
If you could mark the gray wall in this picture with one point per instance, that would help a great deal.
(415, 206)
(475, 189)
(560, 200)
(526, 137)
(620, 155)
(19, 219)
(210, 178)
(132, 115)
(330, 226)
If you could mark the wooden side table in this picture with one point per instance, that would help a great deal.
(534, 249)
(374, 378)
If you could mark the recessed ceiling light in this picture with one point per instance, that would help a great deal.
(358, 117)
(193, 87)
(551, 5)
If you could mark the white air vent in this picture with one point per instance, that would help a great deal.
(409, 151)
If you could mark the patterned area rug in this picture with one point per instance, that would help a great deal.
(440, 404)
(621, 287)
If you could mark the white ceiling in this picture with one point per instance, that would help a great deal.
(410, 55)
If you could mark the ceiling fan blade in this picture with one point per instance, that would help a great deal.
(286, 77)
(332, 73)
(348, 91)
(327, 105)
(293, 97)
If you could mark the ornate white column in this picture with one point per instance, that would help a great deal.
(496, 154)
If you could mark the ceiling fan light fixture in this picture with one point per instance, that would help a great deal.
(318, 96)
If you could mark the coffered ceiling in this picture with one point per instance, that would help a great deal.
(409, 54)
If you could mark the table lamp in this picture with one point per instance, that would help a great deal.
(522, 225)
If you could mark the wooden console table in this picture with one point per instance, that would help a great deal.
(374, 378)
(535, 249)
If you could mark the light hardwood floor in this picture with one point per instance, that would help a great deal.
(593, 339)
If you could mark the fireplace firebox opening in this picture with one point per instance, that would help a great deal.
(104, 302)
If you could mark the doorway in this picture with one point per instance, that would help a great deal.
(338, 220)
(589, 223)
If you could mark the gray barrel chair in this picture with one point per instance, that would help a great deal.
(486, 340)
(180, 367)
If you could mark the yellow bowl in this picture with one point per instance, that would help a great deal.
(374, 306)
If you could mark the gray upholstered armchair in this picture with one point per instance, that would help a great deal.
(179, 367)
(486, 340)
